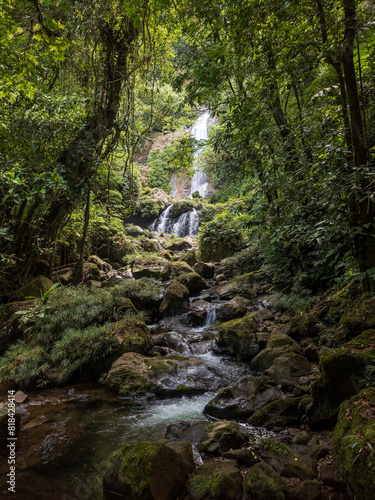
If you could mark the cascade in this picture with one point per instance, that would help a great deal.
(184, 225)
(199, 181)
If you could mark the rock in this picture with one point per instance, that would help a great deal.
(235, 308)
(66, 276)
(169, 375)
(147, 271)
(101, 264)
(20, 397)
(179, 246)
(220, 278)
(302, 438)
(341, 373)
(246, 285)
(186, 431)
(193, 282)
(189, 256)
(174, 269)
(330, 477)
(359, 316)
(243, 399)
(146, 470)
(243, 457)
(204, 269)
(263, 483)
(199, 310)
(90, 272)
(116, 248)
(93, 284)
(176, 300)
(304, 326)
(307, 490)
(133, 230)
(35, 289)
(168, 254)
(277, 345)
(278, 413)
(221, 436)
(215, 481)
(238, 337)
(353, 442)
(287, 369)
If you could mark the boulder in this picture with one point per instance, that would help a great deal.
(193, 282)
(246, 285)
(238, 337)
(133, 230)
(307, 490)
(147, 271)
(287, 369)
(166, 376)
(341, 377)
(263, 483)
(215, 481)
(179, 246)
(90, 272)
(174, 269)
(167, 254)
(235, 308)
(35, 289)
(147, 470)
(101, 264)
(221, 436)
(65, 276)
(199, 310)
(205, 269)
(353, 442)
(189, 256)
(276, 346)
(243, 399)
(176, 300)
(282, 412)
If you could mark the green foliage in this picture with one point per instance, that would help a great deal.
(44, 297)
(296, 303)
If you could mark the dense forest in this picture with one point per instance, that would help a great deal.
(121, 277)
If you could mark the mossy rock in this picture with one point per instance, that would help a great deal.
(359, 316)
(176, 300)
(235, 308)
(101, 264)
(263, 483)
(189, 256)
(147, 470)
(174, 269)
(304, 326)
(215, 481)
(193, 282)
(282, 412)
(238, 336)
(287, 369)
(247, 285)
(353, 442)
(167, 254)
(277, 345)
(243, 399)
(307, 490)
(221, 436)
(35, 289)
(341, 373)
(90, 272)
(116, 248)
(182, 206)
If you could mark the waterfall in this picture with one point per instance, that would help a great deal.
(211, 316)
(199, 181)
(184, 225)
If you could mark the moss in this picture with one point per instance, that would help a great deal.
(215, 480)
(359, 316)
(221, 436)
(182, 206)
(353, 441)
(263, 483)
(238, 335)
(280, 412)
(193, 282)
(174, 269)
(35, 289)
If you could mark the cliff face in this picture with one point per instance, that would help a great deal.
(181, 186)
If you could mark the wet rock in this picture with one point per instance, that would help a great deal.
(263, 483)
(169, 375)
(235, 308)
(193, 282)
(205, 269)
(199, 310)
(221, 436)
(176, 300)
(20, 397)
(220, 278)
(147, 470)
(215, 481)
(307, 490)
(287, 369)
(278, 413)
(243, 457)
(238, 337)
(243, 399)
(186, 431)
(353, 442)
(35, 289)
(247, 285)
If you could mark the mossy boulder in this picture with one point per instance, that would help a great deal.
(277, 345)
(281, 412)
(167, 254)
(235, 308)
(189, 256)
(238, 337)
(353, 442)
(144, 295)
(221, 436)
(304, 326)
(147, 470)
(176, 300)
(90, 272)
(179, 245)
(359, 316)
(199, 311)
(193, 282)
(171, 375)
(35, 289)
(205, 269)
(243, 399)
(215, 481)
(101, 264)
(247, 285)
(287, 369)
(307, 490)
(182, 206)
(116, 248)
(263, 483)
(174, 269)
(341, 373)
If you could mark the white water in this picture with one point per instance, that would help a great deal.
(184, 225)
(199, 131)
